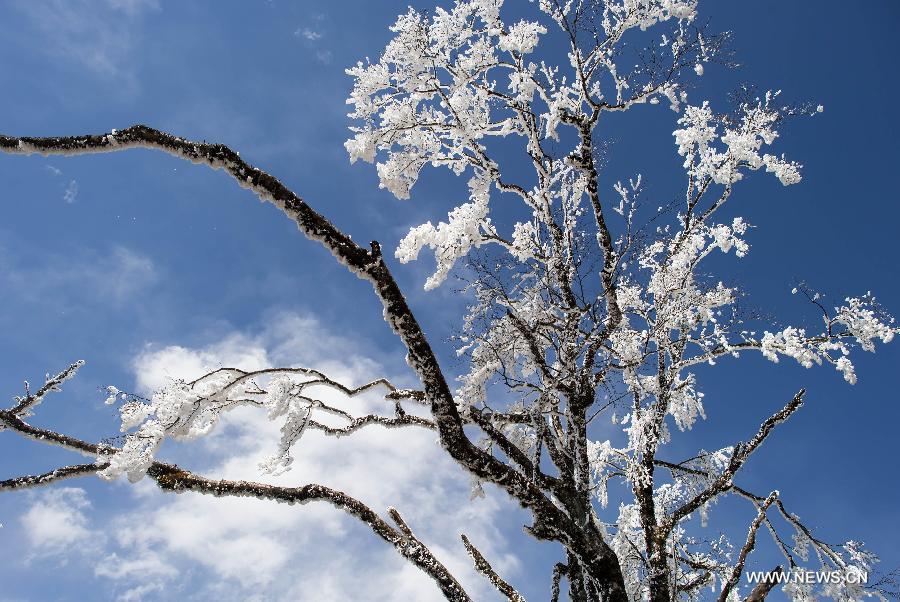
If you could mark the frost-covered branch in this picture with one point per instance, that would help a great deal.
(747, 548)
(28, 401)
(584, 304)
(485, 568)
(851, 560)
(54, 476)
(300, 397)
(739, 456)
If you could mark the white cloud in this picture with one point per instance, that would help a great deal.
(147, 564)
(246, 547)
(56, 520)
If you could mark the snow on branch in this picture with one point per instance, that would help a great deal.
(738, 569)
(299, 397)
(448, 85)
(739, 456)
(27, 402)
(852, 559)
(580, 311)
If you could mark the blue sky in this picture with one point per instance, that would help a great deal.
(145, 266)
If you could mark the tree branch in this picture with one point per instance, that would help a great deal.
(54, 476)
(741, 452)
(747, 548)
(172, 478)
(559, 569)
(30, 400)
(367, 264)
(485, 568)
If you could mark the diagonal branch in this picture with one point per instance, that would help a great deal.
(172, 478)
(747, 548)
(485, 568)
(30, 400)
(535, 351)
(741, 453)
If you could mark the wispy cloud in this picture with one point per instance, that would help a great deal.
(98, 35)
(71, 192)
(113, 278)
(308, 34)
(312, 36)
(133, 7)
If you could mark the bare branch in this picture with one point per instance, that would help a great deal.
(172, 478)
(371, 419)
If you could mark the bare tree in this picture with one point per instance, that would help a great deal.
(586, 307)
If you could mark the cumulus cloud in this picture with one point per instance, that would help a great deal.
(247, 548)
(56, 520)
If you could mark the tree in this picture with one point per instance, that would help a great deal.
(586, 306)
